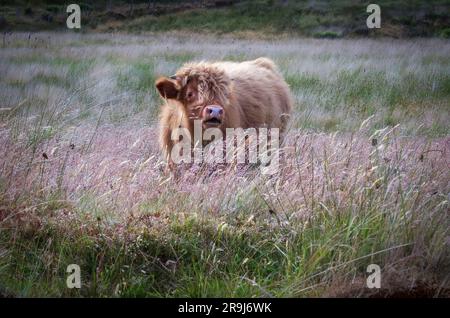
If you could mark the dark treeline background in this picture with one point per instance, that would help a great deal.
(329, 19)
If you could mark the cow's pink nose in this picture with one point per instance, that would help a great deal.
(213, 111)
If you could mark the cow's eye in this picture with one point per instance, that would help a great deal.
(190, 94)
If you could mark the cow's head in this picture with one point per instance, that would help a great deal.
(202, 90)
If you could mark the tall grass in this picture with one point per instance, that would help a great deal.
(363, 177)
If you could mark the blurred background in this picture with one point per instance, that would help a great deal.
(322, 19)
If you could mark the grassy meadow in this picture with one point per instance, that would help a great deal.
(364, 175)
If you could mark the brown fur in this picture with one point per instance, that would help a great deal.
(253, 94)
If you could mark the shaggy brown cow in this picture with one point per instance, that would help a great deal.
(251, 94)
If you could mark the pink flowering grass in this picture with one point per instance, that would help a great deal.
(113, 185)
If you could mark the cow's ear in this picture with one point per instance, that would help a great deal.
(167, 88)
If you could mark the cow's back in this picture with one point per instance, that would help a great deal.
(260, 92)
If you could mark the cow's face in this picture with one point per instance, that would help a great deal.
(198, 102)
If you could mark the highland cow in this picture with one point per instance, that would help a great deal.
(251, 94)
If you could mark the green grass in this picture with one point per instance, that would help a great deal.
(372, 93)
(200, 257)
(257, 16)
